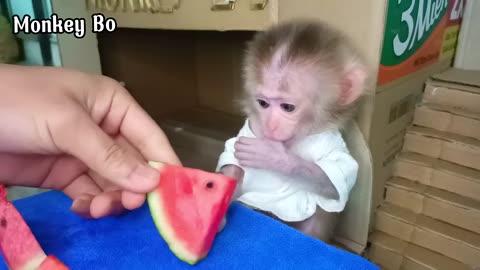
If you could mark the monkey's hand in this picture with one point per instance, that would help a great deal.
(236, 173)
(272, 155)
(263, 154)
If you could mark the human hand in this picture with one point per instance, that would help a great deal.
(79, 133)
(263, 154)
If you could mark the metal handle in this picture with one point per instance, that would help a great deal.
(159, 6)
(221, 5)
(110, 5)
(258, 4)
(153, 6)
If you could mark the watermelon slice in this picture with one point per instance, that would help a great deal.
(18, 245)
(187, 208)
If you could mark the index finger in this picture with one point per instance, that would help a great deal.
(127, 117)
(247, 140)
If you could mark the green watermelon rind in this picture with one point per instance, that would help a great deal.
(164, 228)
(157, 211)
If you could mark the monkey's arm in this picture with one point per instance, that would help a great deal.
(311, 176)
(234, 172)
(331, 176)
(228, 165)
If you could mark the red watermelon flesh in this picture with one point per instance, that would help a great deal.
(3, 194)
(18, 245)
(187, 208)
(52, 263)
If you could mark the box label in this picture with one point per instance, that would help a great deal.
(418, 33)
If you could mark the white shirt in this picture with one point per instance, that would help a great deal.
(278, 194)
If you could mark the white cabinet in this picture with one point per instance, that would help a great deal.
(189, 14)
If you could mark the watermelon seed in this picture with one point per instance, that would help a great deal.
(210, 185)
(3, 222)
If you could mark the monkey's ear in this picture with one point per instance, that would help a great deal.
(352, 84)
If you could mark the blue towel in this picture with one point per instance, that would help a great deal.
(249, 241)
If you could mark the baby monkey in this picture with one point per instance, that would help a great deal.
(302, 80)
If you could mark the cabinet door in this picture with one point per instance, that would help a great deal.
(189, 14)
(81, 54)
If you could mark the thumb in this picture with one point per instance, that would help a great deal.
(86, 141)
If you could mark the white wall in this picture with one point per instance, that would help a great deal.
(81, 54)
(468, 51)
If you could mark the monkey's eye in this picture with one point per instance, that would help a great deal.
(263, 103)
(287, 107)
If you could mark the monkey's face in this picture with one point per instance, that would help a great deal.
(300, 78)
(283, 101)
(279, 114)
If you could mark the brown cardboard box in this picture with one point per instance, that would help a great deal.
(390, 111)
(455, 88)
(393, 112)
(453, 242)
(438, 173)
(443, 145)
(448, 119)
(394, 254)
(173, 73)
(196, 144)
(439, 204)
(195, 104)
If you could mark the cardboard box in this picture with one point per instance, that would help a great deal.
(195, 143)
(440, 174)
(451, 147)
(394, 254)
(453, 242)
(394, 108)
(199, 80)
(448, 119)
(401, 77)
(455, 88)
(439, 204)
(198, 67)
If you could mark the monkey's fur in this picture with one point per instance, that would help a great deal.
(308, 43)
(301, 77)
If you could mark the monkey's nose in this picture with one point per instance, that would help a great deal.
(271, 127)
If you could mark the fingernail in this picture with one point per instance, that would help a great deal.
(82, 207)
(116, 208)
(144, 174)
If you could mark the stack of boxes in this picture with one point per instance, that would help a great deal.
(430, 218)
